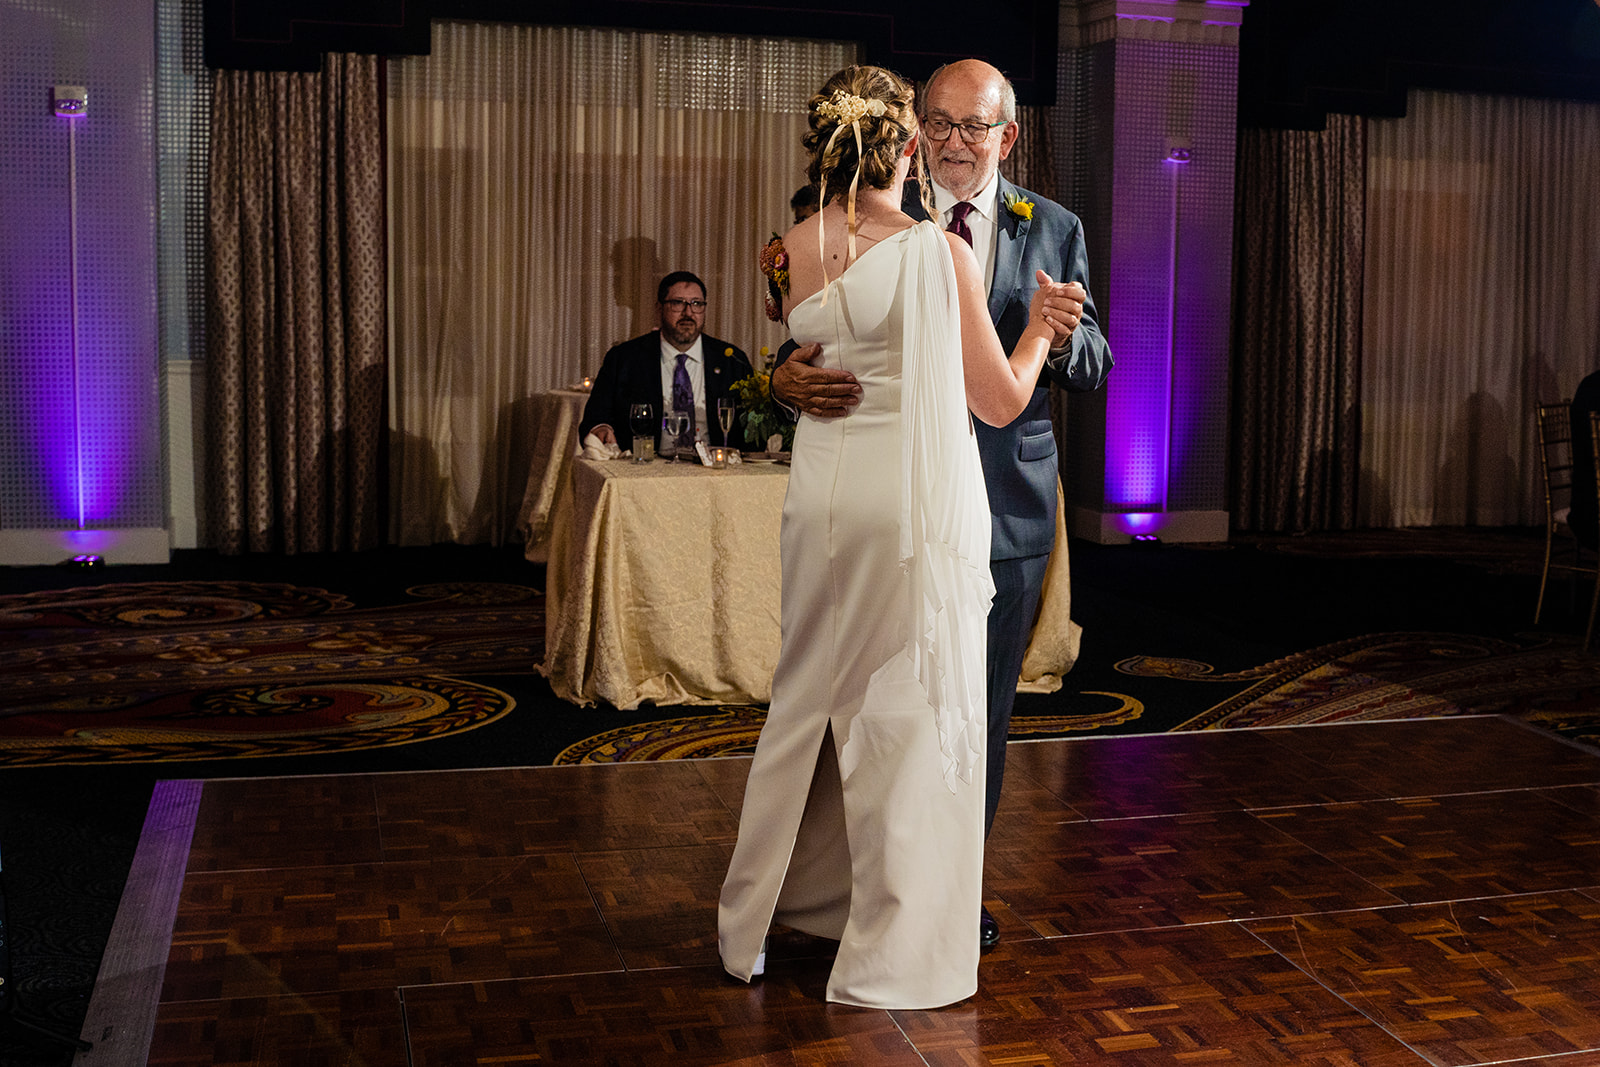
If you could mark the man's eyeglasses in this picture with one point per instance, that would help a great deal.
(681, 305)
(971, 132)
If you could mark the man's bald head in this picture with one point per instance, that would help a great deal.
(970, 94)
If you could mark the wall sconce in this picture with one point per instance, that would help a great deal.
(69, 101)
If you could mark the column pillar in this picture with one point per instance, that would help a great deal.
(1144, 131)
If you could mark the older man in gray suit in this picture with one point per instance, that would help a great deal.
(968, 116)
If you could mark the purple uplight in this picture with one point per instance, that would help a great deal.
(1137, 522)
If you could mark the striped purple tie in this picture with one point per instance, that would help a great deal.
(683, 398)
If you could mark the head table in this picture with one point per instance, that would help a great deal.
(663, 586)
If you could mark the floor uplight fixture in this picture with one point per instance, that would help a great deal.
(71, 102)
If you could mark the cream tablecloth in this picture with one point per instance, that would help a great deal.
(547, 500)
(664, 587)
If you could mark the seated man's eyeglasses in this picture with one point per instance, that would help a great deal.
(971, 132)
(680, 305)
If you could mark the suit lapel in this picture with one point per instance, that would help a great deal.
(1011, 239)
(650, 367)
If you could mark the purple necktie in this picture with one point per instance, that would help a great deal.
(958, 222)
(683, 398)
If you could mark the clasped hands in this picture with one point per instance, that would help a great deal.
(824, 392)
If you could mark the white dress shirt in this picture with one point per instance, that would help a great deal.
(982, 220)
(696, 365)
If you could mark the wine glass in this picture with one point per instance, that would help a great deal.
(644, 430)
(677, 424)
(725, 418)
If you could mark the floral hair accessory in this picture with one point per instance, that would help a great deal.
(775, 265)
(847, 108)
(1022, 209)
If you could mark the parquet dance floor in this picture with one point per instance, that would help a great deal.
(1391, 893)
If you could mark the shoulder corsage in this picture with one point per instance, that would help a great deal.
(1022, 209)
(775, 265)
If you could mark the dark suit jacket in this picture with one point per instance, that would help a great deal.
(631, 373)
(1020, 470)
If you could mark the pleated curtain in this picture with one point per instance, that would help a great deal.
(541, 181)
(295, 309)
(1298, 218)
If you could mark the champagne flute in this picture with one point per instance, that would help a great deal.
(639, 419)
(725, 418)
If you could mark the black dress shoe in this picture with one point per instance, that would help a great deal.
(988, 930)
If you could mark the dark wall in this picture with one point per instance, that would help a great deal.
(1018, 36)
(1300, 60)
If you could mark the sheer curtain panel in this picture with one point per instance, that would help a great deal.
(542, 180)
(1482, 300)
(295, 309)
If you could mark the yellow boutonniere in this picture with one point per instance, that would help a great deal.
(1022, 209)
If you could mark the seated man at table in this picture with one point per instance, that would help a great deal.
(677, 363)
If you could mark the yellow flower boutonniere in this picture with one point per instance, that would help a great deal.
(1022, 209)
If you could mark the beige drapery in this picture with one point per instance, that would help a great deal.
(295, 309)
(1297, 313)
(541, 181)
(1482, 300)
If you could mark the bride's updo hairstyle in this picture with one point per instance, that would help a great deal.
(861, 120)
(885, 129)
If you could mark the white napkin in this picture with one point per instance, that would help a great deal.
(594, 448)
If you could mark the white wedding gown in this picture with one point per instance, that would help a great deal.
(872, 834)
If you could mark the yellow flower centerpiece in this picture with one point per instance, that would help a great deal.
(759, 414)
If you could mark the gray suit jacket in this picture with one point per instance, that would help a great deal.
(1019, 461)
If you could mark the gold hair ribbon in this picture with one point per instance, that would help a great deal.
(847, 110)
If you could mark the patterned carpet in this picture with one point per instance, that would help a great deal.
(195, 670)
(160, 671)
(1542, 679)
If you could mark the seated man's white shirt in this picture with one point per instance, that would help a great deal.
(696, 367)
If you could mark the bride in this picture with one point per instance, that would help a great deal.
(863, 814)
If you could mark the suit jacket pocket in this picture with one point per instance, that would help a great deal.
(1038, 442)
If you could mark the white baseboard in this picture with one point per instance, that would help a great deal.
(1114, 528)
(185, 393)
(38, 548)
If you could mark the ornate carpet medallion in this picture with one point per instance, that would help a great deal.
(730, 731)
(205, 670)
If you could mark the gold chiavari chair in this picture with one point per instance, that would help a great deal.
(1594, 450)
(1562, 552)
